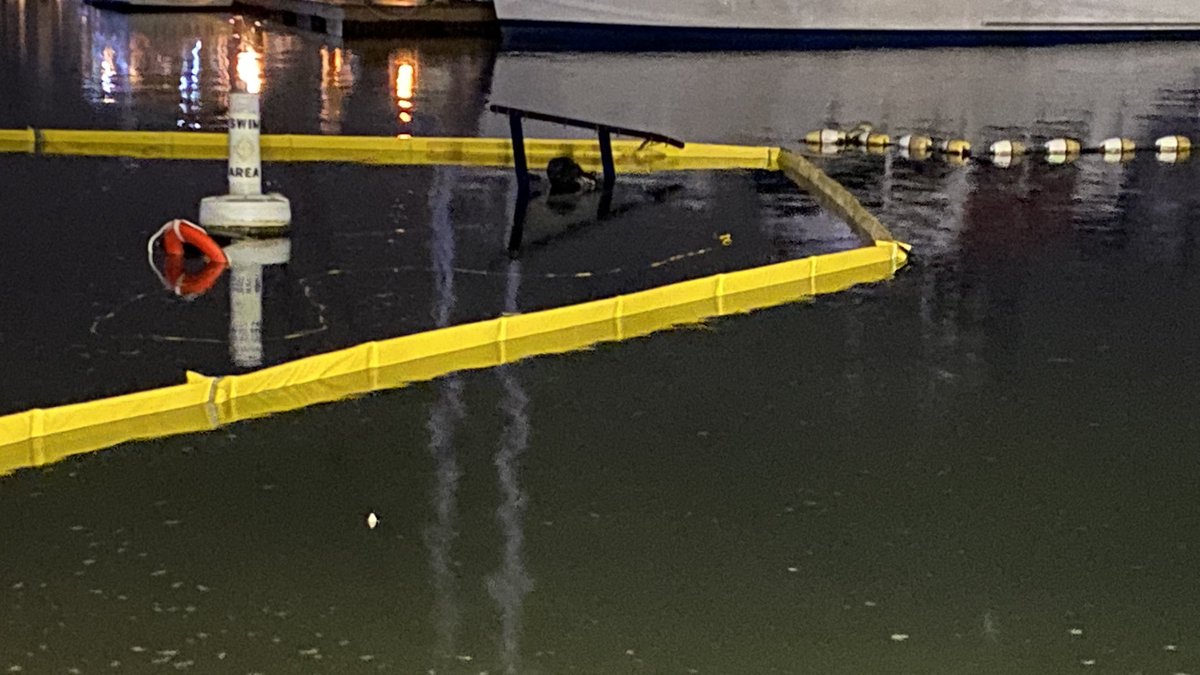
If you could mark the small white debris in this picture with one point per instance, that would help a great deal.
(1088, 662)
(899, 637)
(465, 658)
(137, 649)
(1076, 631)
(308, 652)
(202, 588)
(869, 603)
(793, 570)
(372, 521)
(1170, 648)
(220, 656)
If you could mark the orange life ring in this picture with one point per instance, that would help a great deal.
(179, 232)
(189, 286)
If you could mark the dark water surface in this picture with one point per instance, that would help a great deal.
(987, 465)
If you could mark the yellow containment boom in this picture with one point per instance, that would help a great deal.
(43, 436)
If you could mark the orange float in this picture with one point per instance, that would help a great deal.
(179, 232)
(175, 235)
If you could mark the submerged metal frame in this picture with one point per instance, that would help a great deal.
(604, 133)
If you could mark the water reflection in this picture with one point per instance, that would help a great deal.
(404, 80)
(251, 44)
(447, 412)
(511, 583)
(189, 89)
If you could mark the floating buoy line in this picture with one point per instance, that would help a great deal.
(1002, 153)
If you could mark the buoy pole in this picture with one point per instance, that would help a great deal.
(245, 211)
(245, 315)
(247, 260)
(245, 145)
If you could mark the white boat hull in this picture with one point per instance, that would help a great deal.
(856, 21)
(162, 4)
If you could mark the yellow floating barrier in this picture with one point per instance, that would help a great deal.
(39, 437)
(629, 156)
(17, 140)
(42, 436)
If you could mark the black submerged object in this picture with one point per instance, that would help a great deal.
(568, 178)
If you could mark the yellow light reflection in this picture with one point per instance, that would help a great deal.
(337, 81)
(406, 76)
(405, 89)
(249, 70)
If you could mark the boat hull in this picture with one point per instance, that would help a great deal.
(161, 5)
(758, 24)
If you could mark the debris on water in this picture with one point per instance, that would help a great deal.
(793, 569)
(1076, 632)
(1170, 648)
(1088, 662)
(991, 627)
(870, 603)
(899, 637)
(372, 521)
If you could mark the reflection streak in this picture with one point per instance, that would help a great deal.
(404, 85)
(509, 586)
(444, 417)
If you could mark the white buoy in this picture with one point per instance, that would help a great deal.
(1007, 149)
(825, 137)
(1173, 144)
(1118, 146)
(1062, 147)
(245, 211)
(246, 262)
(1173, 149)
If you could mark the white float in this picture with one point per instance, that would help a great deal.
(246, 262)
(245, 211)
